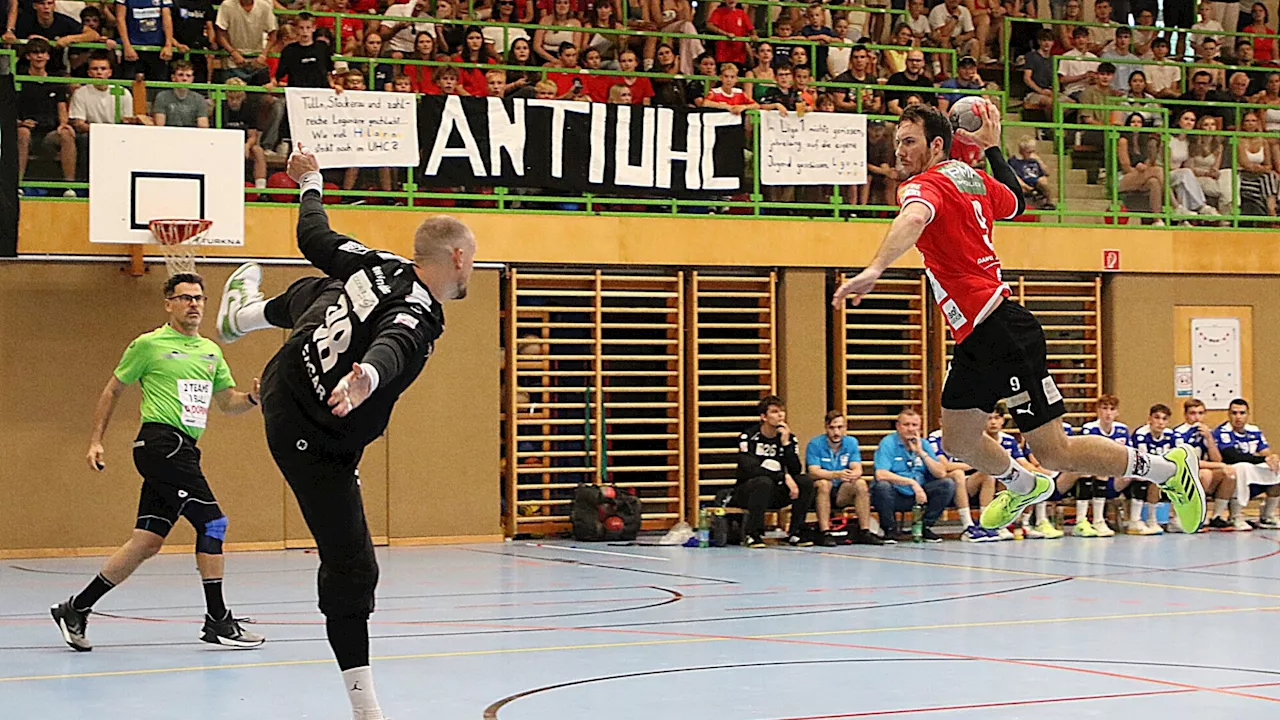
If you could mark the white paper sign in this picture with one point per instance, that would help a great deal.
(817, 149)
(355, 129)
(1215, 360)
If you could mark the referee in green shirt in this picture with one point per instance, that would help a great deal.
(181, 374)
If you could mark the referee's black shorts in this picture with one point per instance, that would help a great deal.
(1005, 358)
(173, 485)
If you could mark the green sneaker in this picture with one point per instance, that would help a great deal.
(1008, 505)
(240, 290)
(1184, 490)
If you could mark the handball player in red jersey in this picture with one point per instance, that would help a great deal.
(948, 212)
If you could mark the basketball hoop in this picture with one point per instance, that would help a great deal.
(178, 239)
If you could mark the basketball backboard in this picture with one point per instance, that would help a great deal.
(139, 173)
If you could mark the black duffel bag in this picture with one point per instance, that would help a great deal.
(604, 513)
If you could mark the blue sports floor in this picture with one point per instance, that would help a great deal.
(1133, 627)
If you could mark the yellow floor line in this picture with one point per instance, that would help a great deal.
(641, 643)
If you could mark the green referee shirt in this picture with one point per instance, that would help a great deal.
(179, 375)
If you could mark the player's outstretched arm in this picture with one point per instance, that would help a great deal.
(101, 418)
(902, 236)
(233, 402)
(400, 336)
(332, 252)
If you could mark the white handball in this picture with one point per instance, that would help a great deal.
(963, 115)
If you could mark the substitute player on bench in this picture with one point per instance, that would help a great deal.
(948, 211)
(360, 336)
(180, 373)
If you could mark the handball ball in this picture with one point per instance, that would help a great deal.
(963, 116)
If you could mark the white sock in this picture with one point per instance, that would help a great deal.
(1135, 510)
(1082, 510)
(1042, 513)
(1151, 512)
(1017, 478)
(966, 518)
(1219, 507)
(1026, 518)
(1269, 506)
(1148, 466)
(260, 183)
(1234, 506)
(1099, 510)
(364, 703)
(253, 317)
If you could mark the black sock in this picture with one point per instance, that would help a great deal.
(349, 638)
(213, 599)
(92, 593)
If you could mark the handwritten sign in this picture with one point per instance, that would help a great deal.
(355, 129)
(817, 149)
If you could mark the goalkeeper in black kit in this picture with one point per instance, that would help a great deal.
(360, 335)
(769, 476)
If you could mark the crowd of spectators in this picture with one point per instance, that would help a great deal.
(911, 477)
(715, 55)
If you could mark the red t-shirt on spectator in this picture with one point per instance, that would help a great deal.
(472, 79)
(1264, 49)
(420, 76)
(641, 89)
(737, 97)
(350, 26)
(597, 86)
(581, 7)
(733, 21)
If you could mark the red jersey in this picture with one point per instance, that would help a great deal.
(641, 89)
(959, 256)
(735, 97)
(734, 22)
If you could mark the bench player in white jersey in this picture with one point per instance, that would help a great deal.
(1217, 477)
(948, 214)
(969, 484)
(1156, 438)
(1254, 464)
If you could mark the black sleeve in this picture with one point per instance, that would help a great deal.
(402, 334)
(284, 70)
(334, 253)
(791, 458)
(748, 463)
(1231, 456)
(1001, 171)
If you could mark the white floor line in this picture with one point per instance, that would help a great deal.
(596, 552)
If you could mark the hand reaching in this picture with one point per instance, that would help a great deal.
(352, 390)
(856, 287)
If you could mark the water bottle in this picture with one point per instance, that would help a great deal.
(704, 528)
(917, 523)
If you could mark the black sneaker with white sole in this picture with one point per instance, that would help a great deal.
(228, 632)
(930, 536)
(799, 541)
(72, 623)
(753, 542)
(866, 537)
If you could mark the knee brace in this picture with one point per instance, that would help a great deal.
(1084, 489)
(1137, 490)
(209, 536)
(346, 589)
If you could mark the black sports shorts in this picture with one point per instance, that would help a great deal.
(173, 485)
(1005, 359)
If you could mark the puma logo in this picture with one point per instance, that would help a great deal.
(1023, 411)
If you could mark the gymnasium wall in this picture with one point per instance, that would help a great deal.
(1146, 323)
(433, 478)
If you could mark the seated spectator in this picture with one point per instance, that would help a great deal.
(607, 44)
(839, 50)
(1207, 53)
(1037, 74)
(762, 70)
(953, 29)
(859, 72)
(618, 95)
(1137, 99)
(78, 58)
(1118, 53)
(834, 462)
(474, 52)
(401, 83)
(1101, 37)
(446, 82)
(1205, 162)
(1097, 95)
(547, 43)
(241, 112)
(985, 14)
(1064, 34)
(496, 82)
(1237, 92)
(1259, 183)
(246, 27)
(43, 115)
(782, 96)
(1188, 195)
(1163, 81)
(400, 36)
(1077, 73)
(546, 90)
(803, 76)
(727, 95)
(595, 85)
(94, 104)
(641, 88)
(449, 36)
(769, 475)
(1270, 95)
(1242, 442)
(180, 106)
(58, 29)
(912, 76)
(520, 82)
(825, 102)
(708, 77)
(966, 78)
(1145, 34)
(423, 76)
(1141, 166)
(500, 39)
(304, 62)
(799, 56)
(1264, 48)
(669, 91)
(918, 23)
(383, 73)
(565, 72)
(1201, 91)
(1032, 175)
(1245, 60)
(908, 473)
(882, 172)
(676, 16)
(1206, 28)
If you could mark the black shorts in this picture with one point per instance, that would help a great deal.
(1179, 14)
(149, 65)
(173, 485)
(1005, 358)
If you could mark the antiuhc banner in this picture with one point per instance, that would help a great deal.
(8, 168)
(576, 146)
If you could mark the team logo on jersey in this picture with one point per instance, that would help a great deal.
(1051, 393)
(354, 248)
(966, 179)
(406, 319)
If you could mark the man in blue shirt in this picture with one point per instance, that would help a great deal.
(909, 473)
(145, 22)
(834, 461)
(1243, 442)
(967, 78)
(1156, 438)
